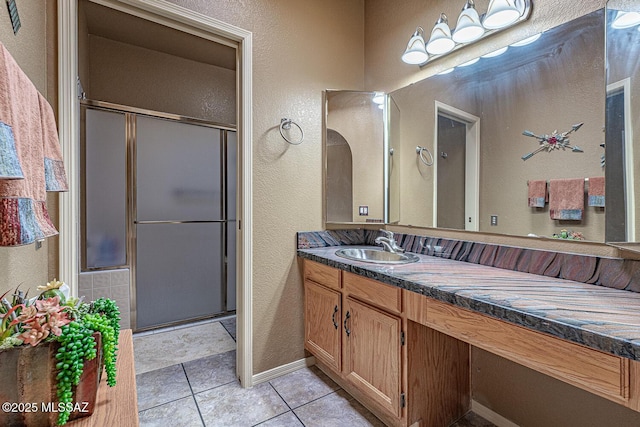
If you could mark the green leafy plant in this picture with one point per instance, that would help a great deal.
(70, 321)
(568, 235)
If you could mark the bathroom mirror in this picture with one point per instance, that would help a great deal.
(623, 104)
(356, 167)
(471, 120)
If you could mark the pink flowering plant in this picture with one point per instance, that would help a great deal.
(53, 317)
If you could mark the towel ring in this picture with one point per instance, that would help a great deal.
(420, 151)
(285, 124)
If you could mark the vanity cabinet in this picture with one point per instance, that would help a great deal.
(322, 317)
(373, 348)
(354, 327)
(407, 356)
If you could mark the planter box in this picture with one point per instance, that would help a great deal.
(28, 385)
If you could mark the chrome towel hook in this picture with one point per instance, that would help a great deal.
(285, 124)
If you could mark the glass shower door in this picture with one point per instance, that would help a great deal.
(178, 222)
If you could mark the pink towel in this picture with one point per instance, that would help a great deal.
(23, 212)
(537, 193)
(566, 199)
(596, 191)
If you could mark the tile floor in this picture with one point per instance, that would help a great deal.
(195, 389)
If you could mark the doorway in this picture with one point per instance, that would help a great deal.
(456, 169)
(618, 164)
(175, 17)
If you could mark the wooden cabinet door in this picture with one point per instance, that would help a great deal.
(373, 353)
(322, 316)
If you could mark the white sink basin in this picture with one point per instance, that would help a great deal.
(376, 256)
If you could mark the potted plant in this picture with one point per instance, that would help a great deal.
(45, 345)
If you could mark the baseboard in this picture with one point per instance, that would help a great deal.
(282, 370)
(490, 415)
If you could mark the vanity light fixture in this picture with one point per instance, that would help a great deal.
(526, 41)
(440, 41)
(495, 53)
(471, 26)
(466, 64)
(625, 20)
(416, 52)
(502, 13)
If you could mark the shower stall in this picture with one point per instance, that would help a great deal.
(159, 200)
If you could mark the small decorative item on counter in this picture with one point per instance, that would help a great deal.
(73, 332)
(568, 235)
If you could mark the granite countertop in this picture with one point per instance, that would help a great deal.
(601, 318)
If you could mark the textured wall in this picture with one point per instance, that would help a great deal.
(301, 47)
(25, 265)
(125, 74)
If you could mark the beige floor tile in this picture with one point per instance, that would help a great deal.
(288, 419)
(336, 410)
(212, 371)
(303, 386)
(161, 386)
(157, 351)
(232, 405)
(179, 413)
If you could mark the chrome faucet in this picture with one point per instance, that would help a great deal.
(388, 242)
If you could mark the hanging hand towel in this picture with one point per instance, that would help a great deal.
(596, 191)
(9, 163)
(23, 212)
(566, 199)
(537, 193)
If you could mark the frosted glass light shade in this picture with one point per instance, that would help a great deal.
(468, 28)
(466, 64)
(495, 53)
(500, 14)
(526, 41)
(440, 41)
(378, 98)
(625, 20)
(415, 53)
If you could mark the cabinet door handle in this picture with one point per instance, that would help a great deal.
(333, 318)
(346, 318)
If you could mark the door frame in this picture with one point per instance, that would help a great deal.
(624, 86)
(165, 13)
(472, 164)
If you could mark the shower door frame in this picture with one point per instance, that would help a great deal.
(130, 115)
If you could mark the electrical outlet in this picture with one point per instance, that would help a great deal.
(494, 220)
(363, 210)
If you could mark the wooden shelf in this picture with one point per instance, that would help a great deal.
(116, 406)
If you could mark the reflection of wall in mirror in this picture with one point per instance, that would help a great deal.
(360, 122)
(339, 183)
(395, 153)
(562, 86)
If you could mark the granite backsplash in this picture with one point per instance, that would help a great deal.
(616, 273)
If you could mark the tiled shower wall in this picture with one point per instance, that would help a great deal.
(114, 284)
